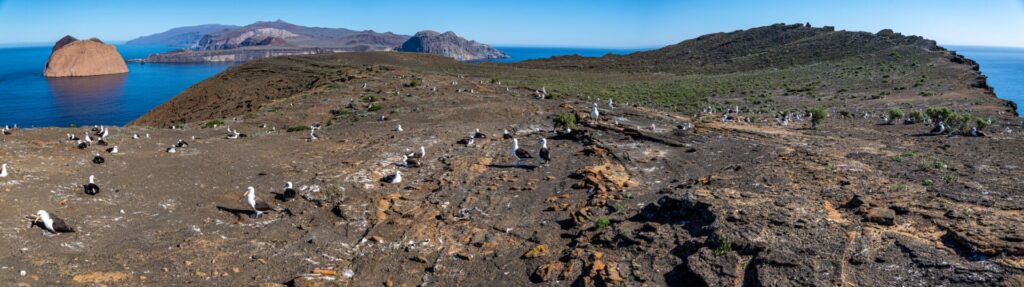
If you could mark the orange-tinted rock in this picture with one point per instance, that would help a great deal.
(77, 58)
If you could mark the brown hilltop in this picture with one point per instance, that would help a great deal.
(77, 58)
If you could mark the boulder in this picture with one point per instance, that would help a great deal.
(78, 58)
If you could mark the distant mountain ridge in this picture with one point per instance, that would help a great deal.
(184, 37)
(279, 38)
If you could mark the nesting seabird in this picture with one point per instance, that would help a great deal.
(505, 134)
(288, 194)
(104, 133)
(939, 129)
(112, 150)
(408, 162)
(102, 142)
(393, 178)
(51, 222)
(518, 153)
(72, 137)
(180, 144)
(594, 113)
(544, 153)
(97, 158)
(420, 154)
(171, 150)
(399, 128)
(479, 134)
(82, 145)
(257, 204)
(610, 104)
(91, 188)
(88, 139)
(3, 170)
(6, 131)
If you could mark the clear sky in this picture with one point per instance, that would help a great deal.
(569, 23)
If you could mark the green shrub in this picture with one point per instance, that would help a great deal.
(72, 125)
(981, 124)
(566, 120)
(899, 187)
(724, 247)
(414, 83)
(297, 129)
(818, 115)
(213, 123)
(895, 114)
(340, 114)
(602, 222)
(916, 117)
(931, 164)
(375, 107)
(897, 158)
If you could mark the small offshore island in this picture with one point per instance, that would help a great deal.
(79, 58)
(783, 155)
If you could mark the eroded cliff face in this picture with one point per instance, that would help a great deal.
(449, 44)
(78, 58)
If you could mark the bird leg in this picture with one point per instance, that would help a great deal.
(257, 214)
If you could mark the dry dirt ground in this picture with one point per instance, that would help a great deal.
(721, 204)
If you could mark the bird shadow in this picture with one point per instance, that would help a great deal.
(523, 166)
(236, 211)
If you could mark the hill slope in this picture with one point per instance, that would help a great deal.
(185, 37)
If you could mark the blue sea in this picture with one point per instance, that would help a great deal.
(1004, 68)
(31, 100)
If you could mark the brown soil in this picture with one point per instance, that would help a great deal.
(720, 204)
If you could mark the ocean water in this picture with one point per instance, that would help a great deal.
(31, 100)
(1004, 68)
(517, 54)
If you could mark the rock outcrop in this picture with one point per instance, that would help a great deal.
(450, 45)
(78, 58)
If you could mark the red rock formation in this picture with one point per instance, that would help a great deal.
(76, 58)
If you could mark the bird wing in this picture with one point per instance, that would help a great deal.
(262, 205)
(544, 153)
(59, 225)
(522, 153)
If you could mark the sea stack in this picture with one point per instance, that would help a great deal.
(78, 58)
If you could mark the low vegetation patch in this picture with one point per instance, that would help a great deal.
(213, 124)
(297, 129)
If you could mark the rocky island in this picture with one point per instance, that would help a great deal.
(449, 45)
(784, 155)
(279, 38)
(71, 57)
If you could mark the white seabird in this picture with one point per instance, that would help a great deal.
(399, 128)
(288, 194)
(51, 222)
(479, 134)
(258, 205)
(171, 150)
(610, 104)
(407, 162)
(91, 188)
(3, 170)
(112, 150)
(544, 153)
(135, 136)
(97, 158)
(505, 134)
(594, 113)
(180, 144)
(420, 154)
(394, 178)
(518, 153)
(81, 144)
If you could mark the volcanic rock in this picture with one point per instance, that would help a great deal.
(77, 58)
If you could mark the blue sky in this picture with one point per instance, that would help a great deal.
(572, 23)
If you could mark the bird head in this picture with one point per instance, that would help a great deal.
(41, 215)
(251, 191)
(288, 184)
(92, 179)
